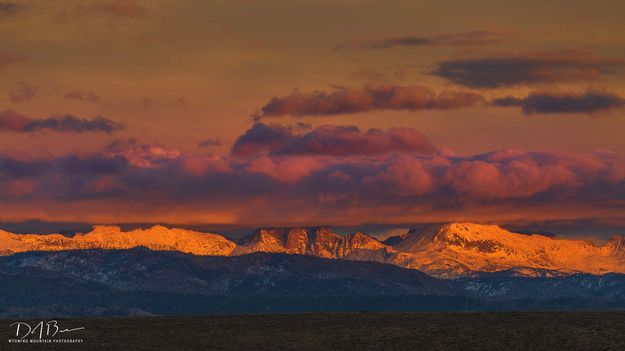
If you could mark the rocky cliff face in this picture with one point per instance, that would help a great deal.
(614, 247)
(316, 242)
(443, 250)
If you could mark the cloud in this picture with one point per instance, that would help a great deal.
(470, 38)
(131, 181)
(86, 96)
(405, 176)
(23, 92)
(350, 140)
(210, 142)
(262, 138)
(520, 178)
(589, 102)
(140, 155)
(476, 37)
(365, 99)
(7, 59)
(91, 165)
(286, 170)
(385, 43)
(18, 168)
(527, 68)
(123, 8)
(8, 8)
(335, 140)
(15, 122)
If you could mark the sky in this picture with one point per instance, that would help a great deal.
(290, 113)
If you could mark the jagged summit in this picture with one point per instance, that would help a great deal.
(444, 250)
(616, 245)
(321, 242)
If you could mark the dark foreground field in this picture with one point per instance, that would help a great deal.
(358, 331)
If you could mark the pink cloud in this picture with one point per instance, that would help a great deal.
(127, 178)
(521, 178)
(285, 169)
(404, 176)
(141, 155)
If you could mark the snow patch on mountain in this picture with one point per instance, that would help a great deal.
(444, 250)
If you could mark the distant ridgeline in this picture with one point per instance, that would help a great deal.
(139, 281)
(449, 267)
(443, 250)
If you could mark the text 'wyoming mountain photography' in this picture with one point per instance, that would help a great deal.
(312, 175)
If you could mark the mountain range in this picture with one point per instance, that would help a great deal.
(449, 250)
(440, 267)
(139, 281)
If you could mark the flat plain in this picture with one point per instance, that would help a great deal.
(348, 331)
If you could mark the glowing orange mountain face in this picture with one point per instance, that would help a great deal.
(111, 237)
(447, 250)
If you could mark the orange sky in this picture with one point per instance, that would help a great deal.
(177, 73)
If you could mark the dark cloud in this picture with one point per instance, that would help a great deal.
(385, 43)
(73, 124)
(15, 122)
(590, 101)
(301, 126)
(334, 140)
(92, 165)
(210, 142)
(470, 38)
(123, 8)
(14, 167)
(365, 99)
(527, 68)
(8, 8)
(262, 138)
(23, 92)
(86, 96)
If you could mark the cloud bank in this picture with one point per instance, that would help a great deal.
(319, 184)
